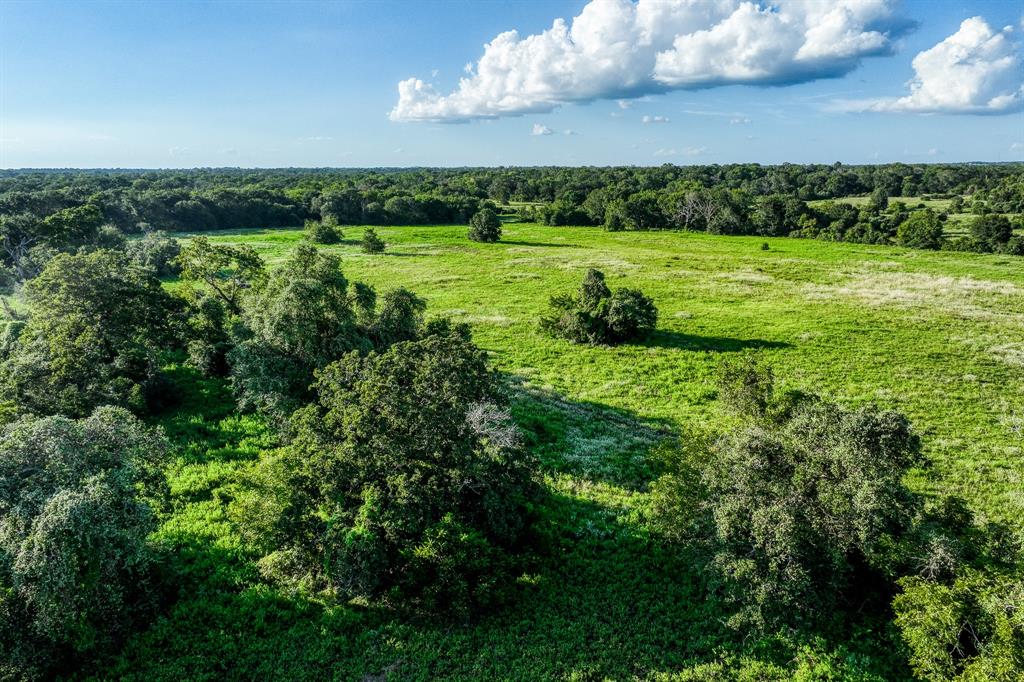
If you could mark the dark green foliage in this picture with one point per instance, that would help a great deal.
(800, 516)
(598, 315)
(156, 251)
(74, 517)
(485, 226)
(322, 232)
(208, 338)
(992, 231)
(922, 230)
(371, 243)
(305, 317)
(406, 480)
(96, 328)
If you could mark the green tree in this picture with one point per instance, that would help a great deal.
(992, 231)
(227, 271)
(599, 315)
(406, 481)
(921, 230)
(485, 226)
(322, 232)
(156, 251)
(371, 243)
(800, 516)
(75, 564)
(97, 324)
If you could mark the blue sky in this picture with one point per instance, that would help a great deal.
(179, 84)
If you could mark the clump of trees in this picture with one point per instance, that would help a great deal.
(76, 507)
(406, 482)
(485, 226)
(156, 251)
(371, 243)
(597, 315)
(304, 317)
(96, 326)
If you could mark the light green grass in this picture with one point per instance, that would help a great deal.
(937, 335)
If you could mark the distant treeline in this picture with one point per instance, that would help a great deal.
(62, 208)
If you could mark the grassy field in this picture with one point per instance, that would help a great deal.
(937, 335)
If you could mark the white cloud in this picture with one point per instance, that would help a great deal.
(974, 71)
(539, 129)
(569, 131)
(685, 151)
(739, 121)
(625, 104)
(618, 49)
(656, 119)
(1017, 146)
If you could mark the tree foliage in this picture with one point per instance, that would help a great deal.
(406, 480)
(371, 243)
(75, 512)
(598, 315)
(485, 226)
(97, 325)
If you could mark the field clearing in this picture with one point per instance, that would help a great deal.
(937, 335)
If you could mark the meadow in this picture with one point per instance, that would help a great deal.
(936, 335)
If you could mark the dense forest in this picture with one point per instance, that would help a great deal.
(388, 471)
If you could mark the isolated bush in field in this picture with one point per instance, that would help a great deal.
(406, 480)
(306, 316)
(156, 251)
(922, 230)
(228, 272)
(74, 562)
(371, 243)
(322, 232)
(800, 518)
(485, 226)
(97, 325)
(598, 315)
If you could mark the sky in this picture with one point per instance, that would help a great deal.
(443, 83)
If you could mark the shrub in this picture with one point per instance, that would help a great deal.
(228, 272)
(598, 315)
(406, 480)
(922, 230)
(322, 232)
(485, 226)
(74, 560)
(800, 516)
(96, 328)
(371, 243)
(993, 231)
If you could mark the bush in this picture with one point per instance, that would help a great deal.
(406, 481)
(485, 226)
(322, 232)
(74, 560)
(598, 315)
(922, 230)
(800, 516)
(97, 326)
(371, 243)
(993, 231)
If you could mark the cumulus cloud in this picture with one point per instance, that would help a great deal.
(618, 49)
(656, 119)
(539, 129)
(974, 71)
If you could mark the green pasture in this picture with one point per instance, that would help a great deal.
(937, 335)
